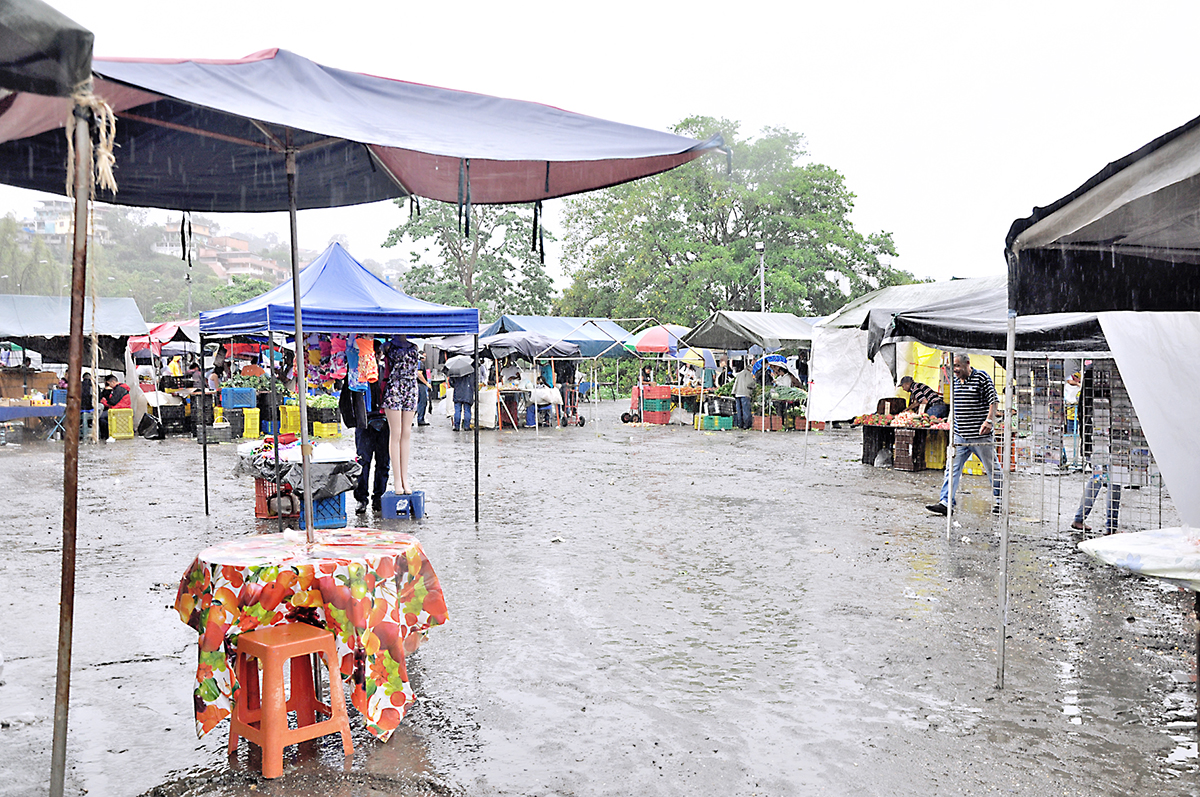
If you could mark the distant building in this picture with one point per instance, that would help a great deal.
(227, 255)
(53, 218)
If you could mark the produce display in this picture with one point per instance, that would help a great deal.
(323, 401)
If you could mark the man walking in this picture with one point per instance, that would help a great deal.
(976, 406)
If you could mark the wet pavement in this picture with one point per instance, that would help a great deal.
(640, 611)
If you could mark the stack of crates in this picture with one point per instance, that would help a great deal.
(330, 513)
(174, 418)
(289, 416)
(236, 420)
(656, 404)
(909, 451)
(205, 416)
(120, 424)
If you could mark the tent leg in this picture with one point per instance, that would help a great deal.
(1002, 581)
(66, 606)
(202, 432)
(475, 413)
(301, 379)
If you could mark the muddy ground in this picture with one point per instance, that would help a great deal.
(725, 613)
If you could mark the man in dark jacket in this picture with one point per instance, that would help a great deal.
(114, 396)
(370, 440)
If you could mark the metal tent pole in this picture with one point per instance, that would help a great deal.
(201, 431)
(66, 606)
(301, 378)
(950, 453)
(1002, 580)
(475, 413)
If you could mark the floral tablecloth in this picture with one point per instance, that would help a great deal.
(375, 590)
(1170, 555)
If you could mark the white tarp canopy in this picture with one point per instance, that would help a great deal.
(1155, 353)
(43, 323)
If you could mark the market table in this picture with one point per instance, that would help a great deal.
(375, 590)
(1169, 555)
(39, 411)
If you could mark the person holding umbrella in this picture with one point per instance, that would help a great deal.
(462, 377)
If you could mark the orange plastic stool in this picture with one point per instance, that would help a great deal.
(265, 721)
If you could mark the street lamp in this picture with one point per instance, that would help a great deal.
(762, 275)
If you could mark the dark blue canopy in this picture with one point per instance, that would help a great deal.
(595, 337)
(337, 294)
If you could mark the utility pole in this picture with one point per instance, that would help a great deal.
(762, 275)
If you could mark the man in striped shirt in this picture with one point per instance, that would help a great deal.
(921, 393)
(976, 406)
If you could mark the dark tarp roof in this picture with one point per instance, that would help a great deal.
(337, 294)
(595, 337)
(523, 344)
(208, 136)
(42, 51)
(972, 315)
(1127, 239)
(43, 323)
(737, 329)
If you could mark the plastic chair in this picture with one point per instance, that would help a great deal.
(261, 716)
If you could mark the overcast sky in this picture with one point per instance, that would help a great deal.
(948, 122)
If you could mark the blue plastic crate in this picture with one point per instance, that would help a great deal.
(239, 397)
(329, 512)
(398, 506)
(58, 396)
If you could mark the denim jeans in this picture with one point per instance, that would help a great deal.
(422, 402)
(1091, 491)
(741, 415)
(462, 409)
(372, 444)
(982, 447)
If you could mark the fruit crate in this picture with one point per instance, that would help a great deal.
(773, 423)
(323, 415)
(326, 429)
(330, 513)
(120, 424)
(239, 397)
(290, 420)
(656, 405)
(804, 423)
(703, 422)
(250, 426)
(720, 405)
(656, 392)
(211, 435)
(264, 490)
(236, 420)
(661, 418)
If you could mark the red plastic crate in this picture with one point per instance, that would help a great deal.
(773, 423)
(656, 392)
(656, 417)
(263, 490)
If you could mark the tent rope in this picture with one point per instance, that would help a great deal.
(104, 123)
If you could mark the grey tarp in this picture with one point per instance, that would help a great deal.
(973, 317)
(524, 344)
(738, 329)
(43, 323)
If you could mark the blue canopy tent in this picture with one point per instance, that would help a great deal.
(338, 294)
(595, 337)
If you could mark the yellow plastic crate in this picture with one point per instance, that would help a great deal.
(935, 451)
(120, 424)
(289, 417)
(326, 429)
(250, 425)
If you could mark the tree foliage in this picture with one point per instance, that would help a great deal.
(492, 269)
(680, 245)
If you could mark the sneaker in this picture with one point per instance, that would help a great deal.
(937, 509)
(361, 509)
(1078, 525)
(377, 503)
(455, 428)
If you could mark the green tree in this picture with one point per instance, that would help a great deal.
(493, 269)
(241, 289)
(680, 245)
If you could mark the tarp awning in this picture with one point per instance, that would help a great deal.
(527, 345)
(738, 329)
(1127, 239)
(972, 315)
(42, 51)
(192, 134)
(595, 337)
(43, 323)
(337, 294)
